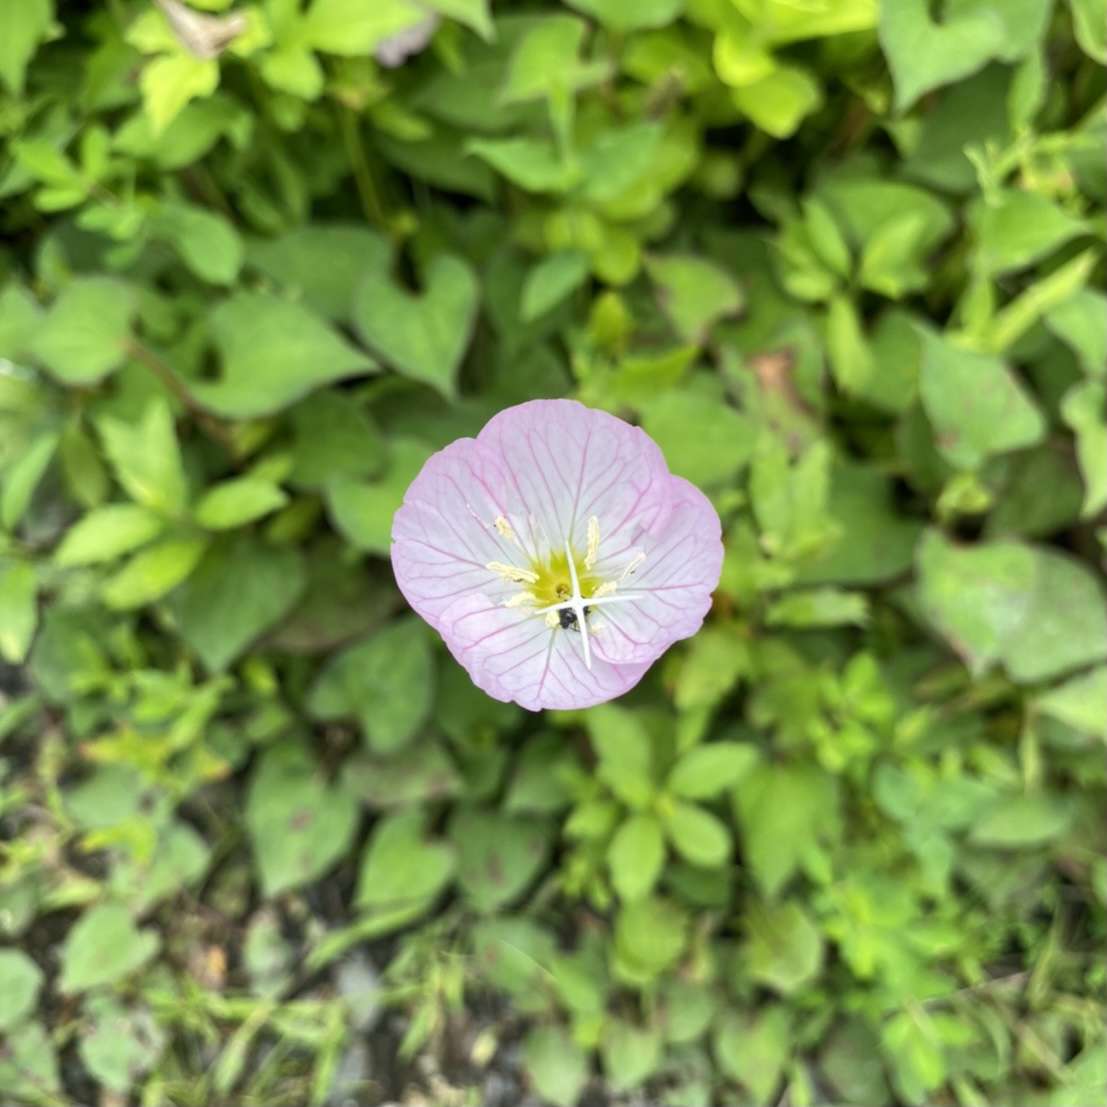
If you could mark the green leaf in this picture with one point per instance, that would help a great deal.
(704, 440)
(153, 572)
(119, 1046)
(298, 824)
(386, 681)
(650, 935)
(1018, 228)
(20, 981)
(551, 280)
(28, 1065)
(976, 596)
(169, 82)
(914, 1051)
(753, 1049)
(976, 405)
(784, 949)
(207, 243)
(350, 27)
(694, 293)
(497, 855)
(923, 54)
(557, 1066)
(233, 503)
(362, 511)
(631, 1054)
(22, 27)
(533, 164)
(273, 352)
(18, 612)
(697, 835)
(636, 855)
(1081, 322)
(1080, 702)
(401, 872)
(625, 752)
(1083, 409)
(146, 458)
(107, 532)
(716, 659)
(84, 335)
(688, 1008)
(705, 771)
(422, 336)
(1089, 18)
(783, 811)
(818, 607)
(334, 438)
(780, 101)
(240, 590)
(618, 15)
(103, 946)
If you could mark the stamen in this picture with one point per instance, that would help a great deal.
(505, 531)
(577, 605)
(632, 565)
(551, 618)
(604, 589)
(512, 573)
(519, 599)
(593, 542)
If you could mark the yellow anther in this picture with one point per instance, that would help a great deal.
(512, 573)
(519, 599)
(604, 589)
(593, 542)
(505, 531)
(552, 619)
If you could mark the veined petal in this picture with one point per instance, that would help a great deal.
(568, 463)
(516, 657)
(671, 586)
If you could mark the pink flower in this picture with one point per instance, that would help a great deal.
(556, 554)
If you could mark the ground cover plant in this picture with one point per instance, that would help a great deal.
(262, 841)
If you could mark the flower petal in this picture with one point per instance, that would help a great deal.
(672, 585)
(514, 656)
(567, 462)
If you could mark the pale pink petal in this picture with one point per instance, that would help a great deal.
(672, 586)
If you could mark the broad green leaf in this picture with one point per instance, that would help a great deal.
(530, 163)
(1080, 702)
(694, 293)
(1015, 822)
(273, 352)
(238, 501)
(923, 55)
(783, 812)
(28, 1064)
(23, 477)
(650, 935)
(239, 590)
(1018, 228)
(636, 855)
(401, 871)
(103, 946)
(1089, 19)
(779, 101)
(976, 596)
(299, 825)
(350, 27)
(153, 572)
(207, 243)
(23, 26)
(631, 1054)
(84, 335)
(1081, 322)
(120, 1045)
(753, 1049)
(18, 611)
(818, 607)
(688, 1008)
(704, 439)
(20, 981)
(146, 458)
(716, 660)
(556, 1065)
(975, 404)
(783, 949)
(625, 752)
(105, 533)
(1084, 409)
(697, 835)
(705, 771)
(551, 280)
(619, 15)
(420, 772)
(914, 1051)
(362, 511)
(170, 81)
(422, 336)
(385, 681)
(334, 438)
(497, 855)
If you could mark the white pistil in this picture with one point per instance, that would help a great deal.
(576, 603)
(593, 542)
(512, 573)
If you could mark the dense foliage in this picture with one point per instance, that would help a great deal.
(845, 845)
